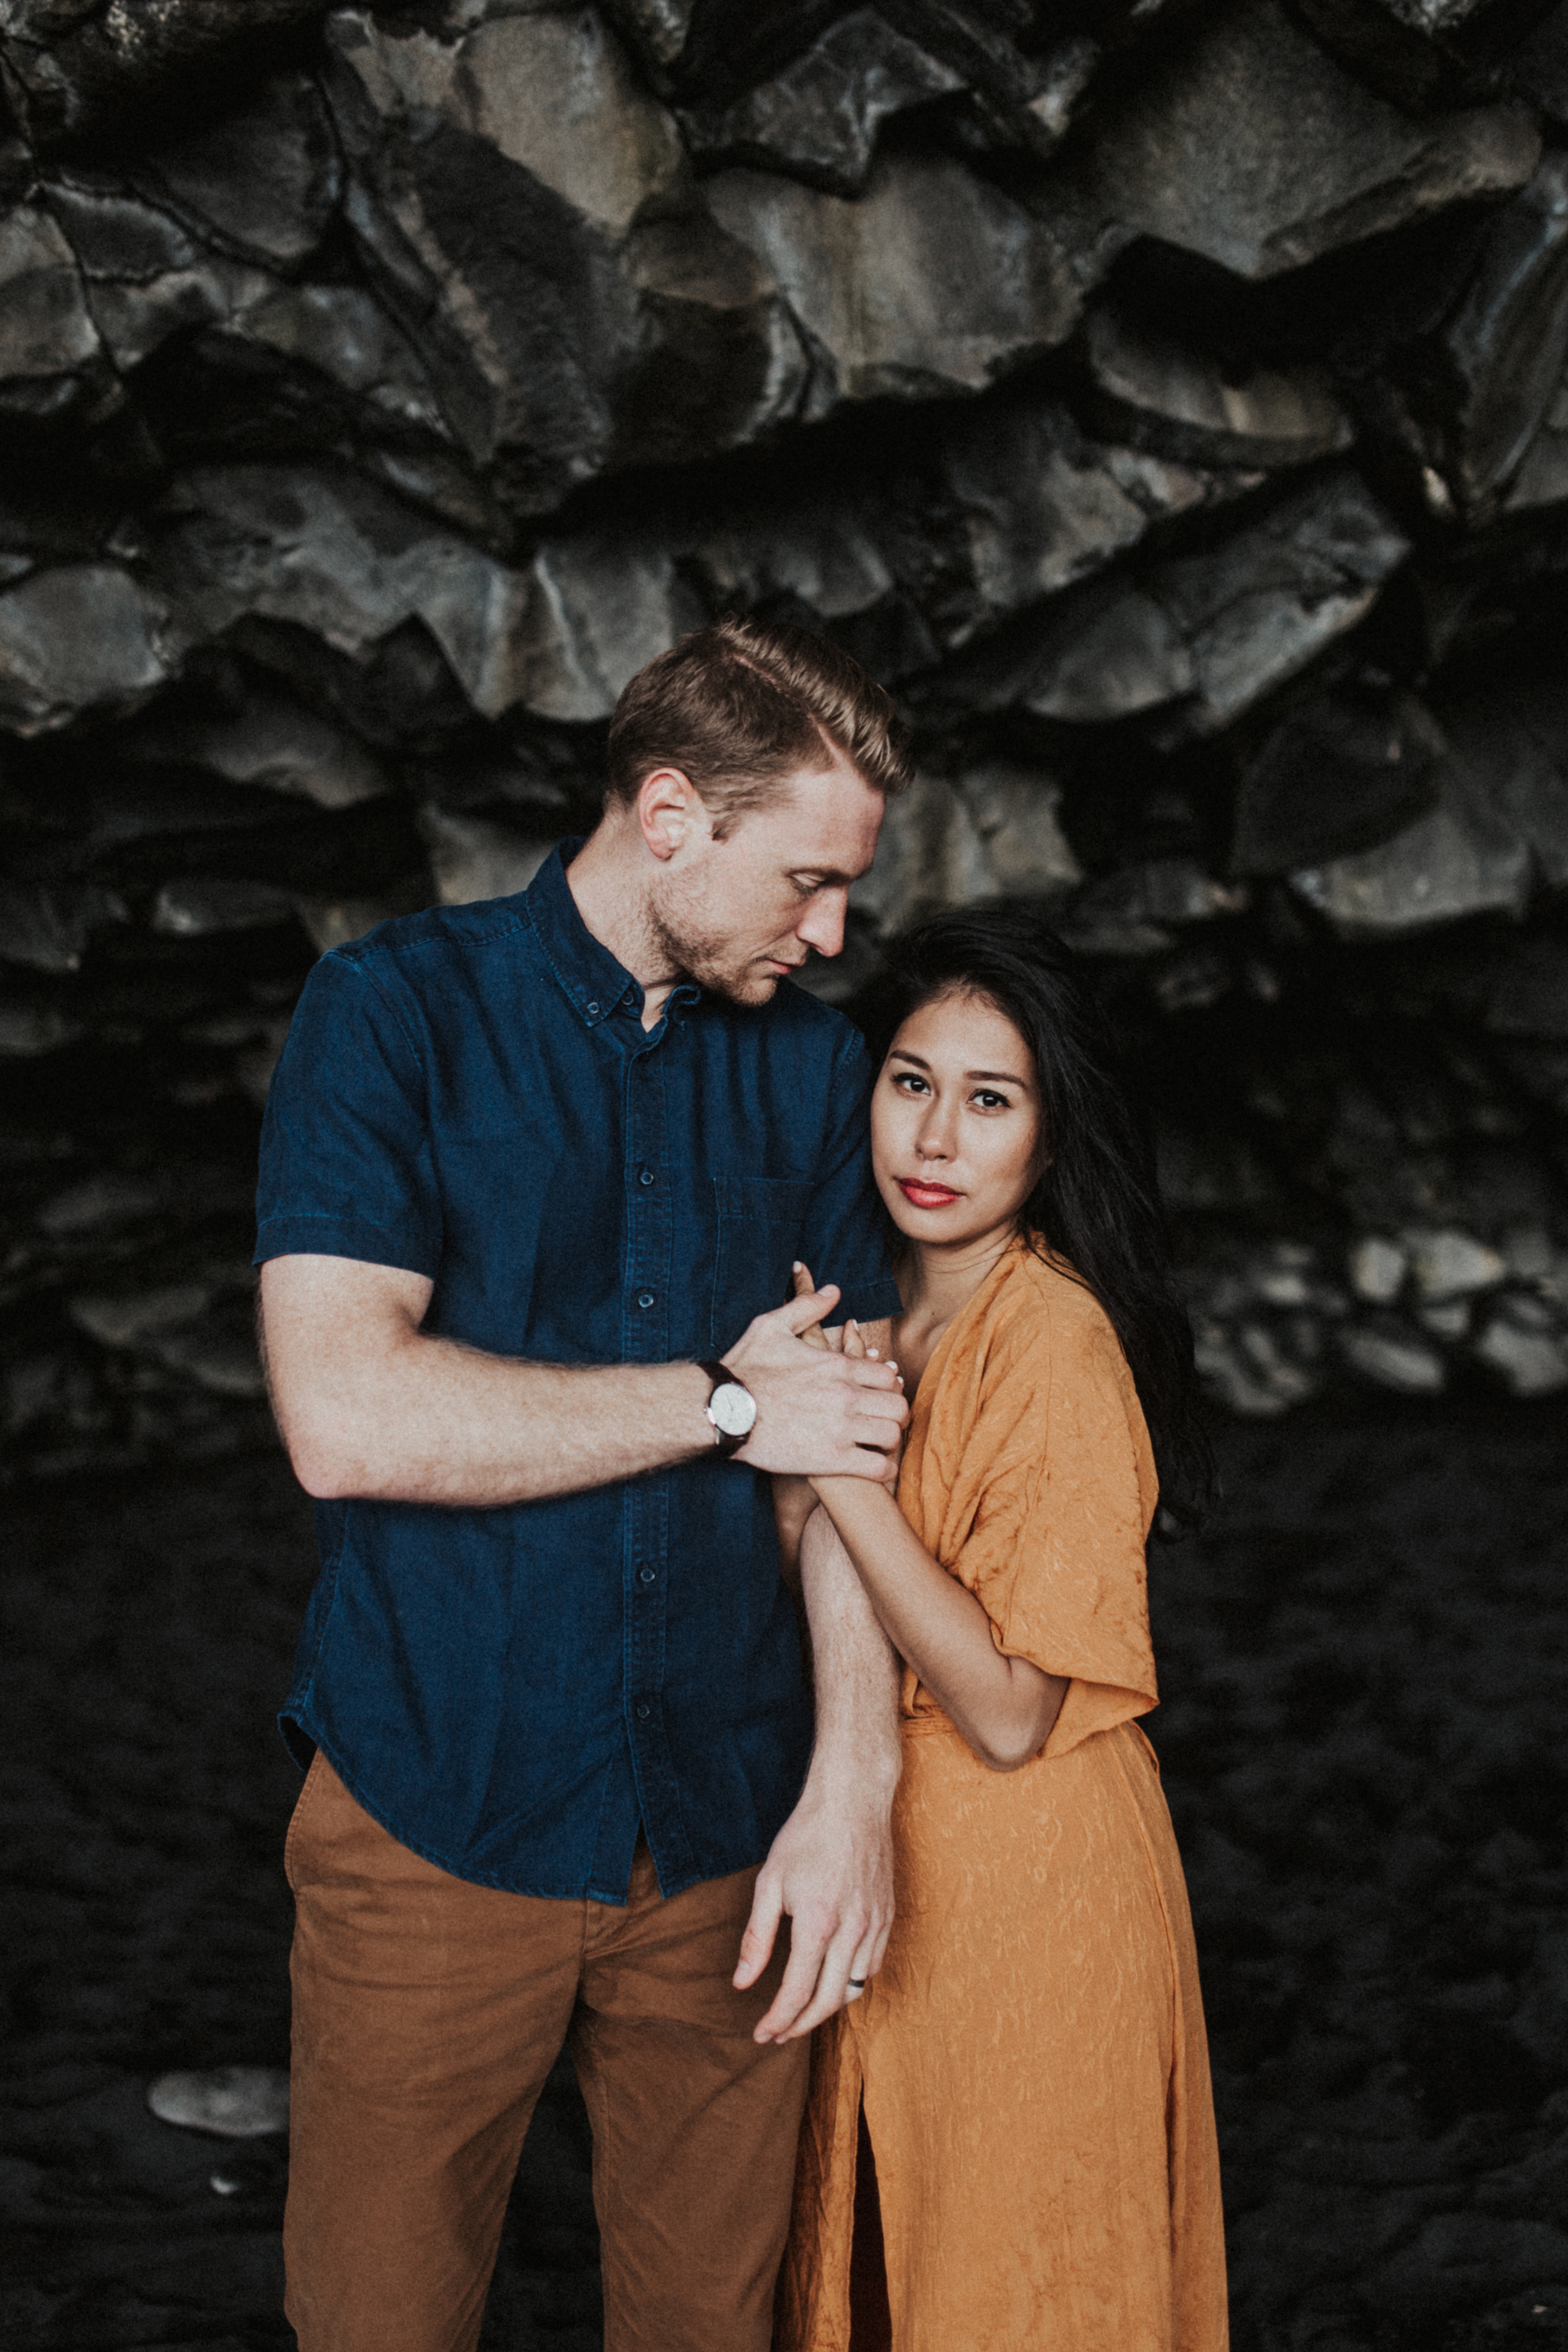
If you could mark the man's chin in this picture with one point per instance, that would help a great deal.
(748, 987)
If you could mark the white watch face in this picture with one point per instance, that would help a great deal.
(732, 1408)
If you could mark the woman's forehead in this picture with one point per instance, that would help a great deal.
(961, 1022)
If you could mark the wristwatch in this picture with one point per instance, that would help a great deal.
(731, 1408)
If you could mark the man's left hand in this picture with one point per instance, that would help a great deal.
(831, 1871)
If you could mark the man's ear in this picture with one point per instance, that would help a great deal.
(671, 812)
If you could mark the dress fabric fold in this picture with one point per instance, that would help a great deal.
(1031, 2055)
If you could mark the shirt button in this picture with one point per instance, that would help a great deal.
(592, 1008)
(647, 1176)
(647, 1575)
(644, 1710)
(645, 1298)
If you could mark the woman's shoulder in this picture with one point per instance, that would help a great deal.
(1045, 1304)
(1047, 1328)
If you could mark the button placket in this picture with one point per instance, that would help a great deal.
(646, 1322)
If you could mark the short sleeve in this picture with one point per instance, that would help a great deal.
(346, 1168)
(848, 1234)
(1056, 1552)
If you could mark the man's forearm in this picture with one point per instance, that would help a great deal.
(432, 1421)
(856, 1670)
(371, 1405)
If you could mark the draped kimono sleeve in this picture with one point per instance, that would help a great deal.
(1030, 1478)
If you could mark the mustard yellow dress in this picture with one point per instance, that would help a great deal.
(1032, 2053)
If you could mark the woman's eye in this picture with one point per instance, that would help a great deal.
(989, 1101)
(907, 1080)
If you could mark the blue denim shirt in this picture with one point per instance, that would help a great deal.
(470, 1093)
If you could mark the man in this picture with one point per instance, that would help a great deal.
(535, 1178)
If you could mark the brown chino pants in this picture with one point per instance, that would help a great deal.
(428, 2012)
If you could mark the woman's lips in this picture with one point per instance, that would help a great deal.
(927, 1196)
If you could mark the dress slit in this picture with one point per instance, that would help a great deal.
(871, 2320)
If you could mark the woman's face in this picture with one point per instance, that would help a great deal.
(956, 1122)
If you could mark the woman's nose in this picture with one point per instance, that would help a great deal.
(933, 1141)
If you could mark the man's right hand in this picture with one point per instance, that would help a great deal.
(819, 1413)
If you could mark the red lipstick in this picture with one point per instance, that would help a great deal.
(927, 1196)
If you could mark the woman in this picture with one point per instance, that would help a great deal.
(1029, 2060)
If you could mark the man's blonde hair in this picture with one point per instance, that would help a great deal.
(740, 705)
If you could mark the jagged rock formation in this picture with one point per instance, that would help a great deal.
(1170, 401)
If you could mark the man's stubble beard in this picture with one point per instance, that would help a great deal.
(706, 958)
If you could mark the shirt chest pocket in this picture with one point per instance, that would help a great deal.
(761, 1222)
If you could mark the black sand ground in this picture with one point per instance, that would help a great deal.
(1365, 1669)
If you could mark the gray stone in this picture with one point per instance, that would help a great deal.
(232, 2101)
(127, 1318)
(1514, 744)
(932, 283)
(1391, 1356)
(1263, 605)
(473, 860)
(200, 904)
(1447, 1263)
(332, 923)
(1014, 811)
(71, 66)
(658, 28)
(822, 551)
(1015, 101)
(1377, 1269)
(50, 351)
(1342, 773)
(146, 277)
(1134, 910)
(1177, 401)
(333, 554)
(105, 1204)
(818, 117)
(1207, 634)
(217, 1349)
(28, 1030)
(1532, 1362)
(1541, 479)
(1248, 1370)
(1497, 364)
(602, 317)
(1040, 505)
(993, 832)
(49, 925)
(1462, 860)
(343, 333)
(596, 608)
(265, 739)
(81, 639)
(1419, 51)
(1256, 150)
(263, 181)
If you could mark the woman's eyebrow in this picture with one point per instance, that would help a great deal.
(998, 1077)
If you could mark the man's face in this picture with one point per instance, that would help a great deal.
(739, 913)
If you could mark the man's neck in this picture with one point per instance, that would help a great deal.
(606, 889)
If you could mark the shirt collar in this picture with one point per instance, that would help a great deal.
(595, 983)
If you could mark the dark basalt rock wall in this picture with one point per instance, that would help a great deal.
(1169, 401)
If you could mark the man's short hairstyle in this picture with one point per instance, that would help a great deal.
(740, 705)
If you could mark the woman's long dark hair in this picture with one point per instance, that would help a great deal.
(1096, 1204)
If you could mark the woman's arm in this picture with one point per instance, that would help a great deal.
(1004, 1706)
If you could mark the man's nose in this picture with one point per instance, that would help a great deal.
(822, 925)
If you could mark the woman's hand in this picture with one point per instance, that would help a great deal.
(846, 1340)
